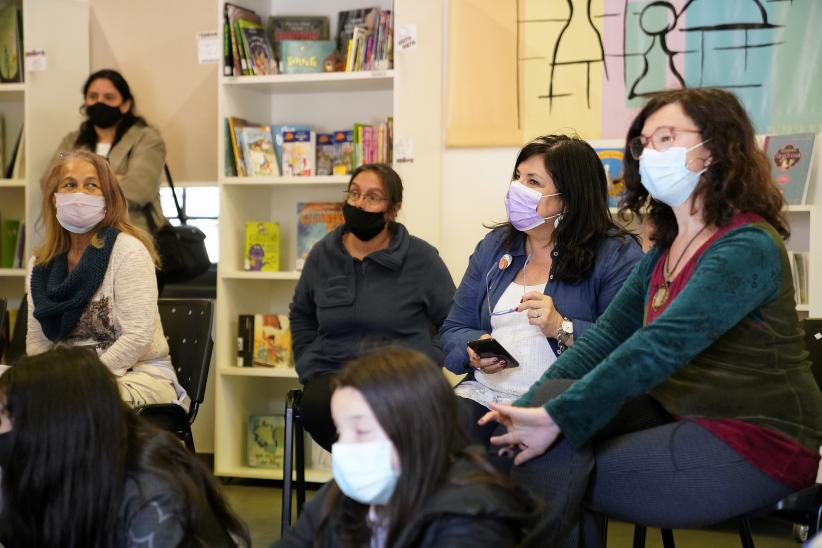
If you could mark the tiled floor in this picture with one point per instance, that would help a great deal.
(258, 503)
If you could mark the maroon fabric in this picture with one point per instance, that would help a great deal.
(775, 454)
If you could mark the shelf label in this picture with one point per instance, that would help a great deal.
(36, 60)
(404, 150)
(208, 47)
(407, 36)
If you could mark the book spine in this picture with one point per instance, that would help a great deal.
(245, 340)
(228, 62)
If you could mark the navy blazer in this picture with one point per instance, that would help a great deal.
(583, 302)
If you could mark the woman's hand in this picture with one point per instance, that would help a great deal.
(531, 430)
(488, 366)
(541, 312)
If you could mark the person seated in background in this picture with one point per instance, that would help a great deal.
(691, 401)
(403, 475)
(81, 469)
(92, 281)
(134, 149)
(537, 282)
(368, 282)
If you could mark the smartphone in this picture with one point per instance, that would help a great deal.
(491, 348)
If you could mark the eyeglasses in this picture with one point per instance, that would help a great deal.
(662, 139)
(504, 311)
(352, 196)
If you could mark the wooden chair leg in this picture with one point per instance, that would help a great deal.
(288, 452)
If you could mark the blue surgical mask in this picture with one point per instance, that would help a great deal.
(363, 471)
(665, 175)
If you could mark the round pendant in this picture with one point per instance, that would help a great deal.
(660, 296)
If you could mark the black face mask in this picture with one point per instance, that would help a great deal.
(102, 115)
(364, 225)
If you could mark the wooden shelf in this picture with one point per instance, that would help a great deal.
(284, 181)
(270, 372)
(312, 475)
(803, 308)
(12, 183)
(20, 86)
(245, 275)
(332, 82)
(798, 208)
(12, 272)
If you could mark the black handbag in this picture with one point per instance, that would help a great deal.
(182, 249)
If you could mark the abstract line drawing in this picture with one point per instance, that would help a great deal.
(656, 20)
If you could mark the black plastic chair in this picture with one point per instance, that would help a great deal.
(802, 508)
(294, 442)
(187, 327)
(17, 345)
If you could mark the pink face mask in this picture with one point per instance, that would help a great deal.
(521, 204)
(79, 212)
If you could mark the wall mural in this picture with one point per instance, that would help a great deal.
(520, 68)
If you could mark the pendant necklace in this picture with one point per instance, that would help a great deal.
(661, 294)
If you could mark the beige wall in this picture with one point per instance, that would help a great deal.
(153, 44)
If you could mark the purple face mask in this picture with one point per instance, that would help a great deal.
(521, 204)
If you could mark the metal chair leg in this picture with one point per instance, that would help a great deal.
(745, 534)
(287, 467)
(299, 446)
(667, 538)
(639, 536)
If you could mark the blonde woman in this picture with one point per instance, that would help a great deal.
(92, 281)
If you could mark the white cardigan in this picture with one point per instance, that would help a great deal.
(121, 321)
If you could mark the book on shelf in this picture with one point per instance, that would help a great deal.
(326, 153)
(20, 247)
(343, 152)
(299, 153)
(9, 234)
(364, 39)
(259, 56)
(234, 124)
(791, 158)
(307, 56)
(264, 340)
(234, 14)
(611, 159)
(15, 168)
(258, 154)
(262, 246)
(265, 447)
(11, 38)
(314, 221)
(799, 269)
(296, 27)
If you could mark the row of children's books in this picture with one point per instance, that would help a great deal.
(262, 238)
(302, 43)
(254, 150)
(265, 446)
(12, 243)
(790, 156)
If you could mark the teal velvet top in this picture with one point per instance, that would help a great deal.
(727, 345)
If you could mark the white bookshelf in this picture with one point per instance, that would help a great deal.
(325, 102)
(45, 103)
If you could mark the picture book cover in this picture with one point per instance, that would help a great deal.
(262, 246)
(277, 131)
(326, 153)
(296, 27)
(259, 54)
(344, 152)
(299, 153)
(272, 341)
(10, 39)
(258, 151)
(791, 158)
(611, 159)
(307, 56)
(9, 230)
(265, 447)
(235, 13)
(348, 20)
(314, 221)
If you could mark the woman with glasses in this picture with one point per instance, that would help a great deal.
(367, 283)
(537, 282)
(691, 401)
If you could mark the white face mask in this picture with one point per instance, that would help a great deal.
(363, 471)
(665, 175)
(79, 212)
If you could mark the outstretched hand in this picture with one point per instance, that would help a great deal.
(531, 430)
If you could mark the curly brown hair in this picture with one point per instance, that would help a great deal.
(737, 180)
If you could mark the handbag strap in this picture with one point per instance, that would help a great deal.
(147, 209)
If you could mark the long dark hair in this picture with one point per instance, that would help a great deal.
(417, 409)
(87, 138)
(72, 445)
(738, 178)
(579, 176)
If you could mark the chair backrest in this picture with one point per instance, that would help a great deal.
(17, 344)
(187, 327)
